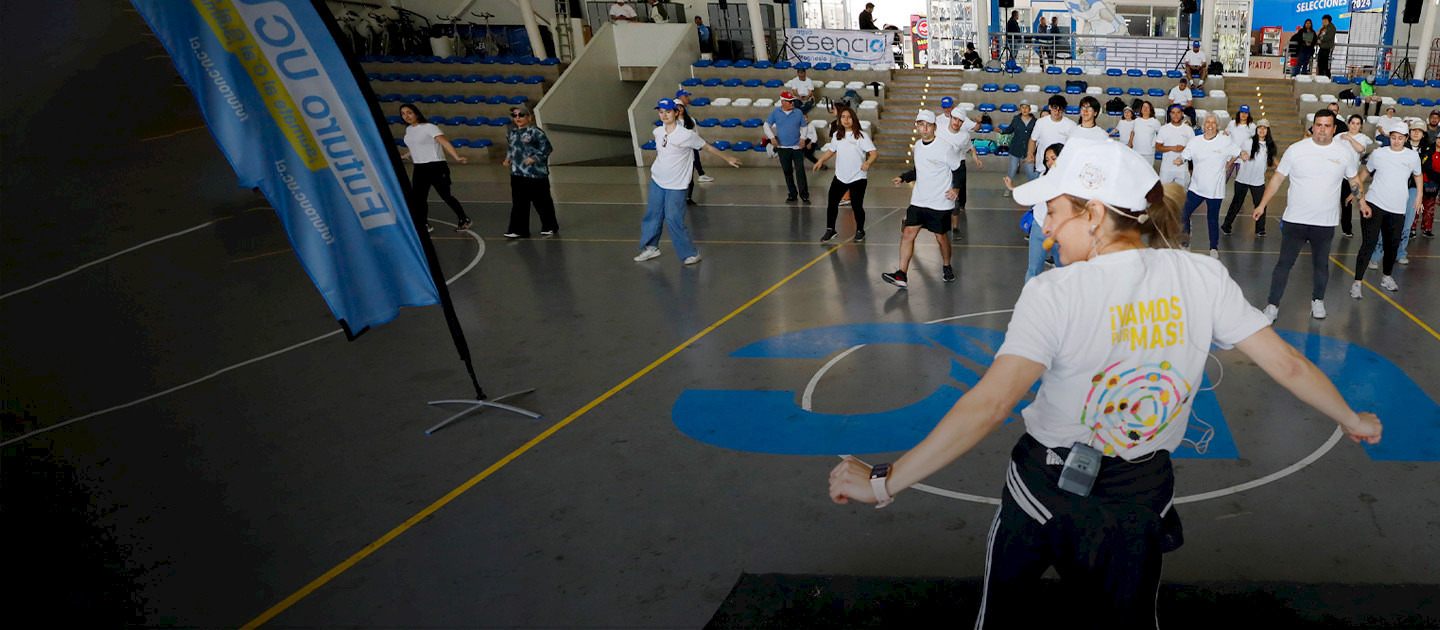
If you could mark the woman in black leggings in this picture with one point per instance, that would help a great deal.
(425, 142)
(1257, 156)
(854, 154)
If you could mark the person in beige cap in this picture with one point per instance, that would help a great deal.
(1384, 208)
(1256, 155)
(1088, 332)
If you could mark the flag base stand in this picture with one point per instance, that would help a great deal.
(477, 405)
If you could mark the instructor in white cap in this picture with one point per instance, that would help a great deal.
(937, 178)
(1118, 339)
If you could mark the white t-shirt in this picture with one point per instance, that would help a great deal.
(1194, 58)
(1252, 171)
(1090, 133)
(801, 87)
(934, 163)
(1382, 122)
(1363, 139)
(942, 121)
(1180, 96)
(959, 141)
(1126, 130)
(1145, 131)
(850, 153)
(1240, 134)
(1392, 168)
(622, 10)
(1173, 135)
(673, 165)
(1123, 338)
(1315, 173)
(1047, 132)
(1209, 158)
(424, 148)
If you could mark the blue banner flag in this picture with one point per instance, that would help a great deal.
(282, 102)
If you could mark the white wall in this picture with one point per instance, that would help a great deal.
(650, 44)
(590, 95)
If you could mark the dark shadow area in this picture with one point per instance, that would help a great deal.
(835, 601)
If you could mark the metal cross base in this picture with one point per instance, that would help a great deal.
(476, 405)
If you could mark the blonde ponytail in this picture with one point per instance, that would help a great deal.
(1166, 223)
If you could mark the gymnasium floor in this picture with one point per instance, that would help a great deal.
(245, 464)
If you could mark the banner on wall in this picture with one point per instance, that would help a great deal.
(839, 46)
(289, 115)
(1288, 14)
(920, 40)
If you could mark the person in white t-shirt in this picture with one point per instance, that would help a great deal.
(669, 182)
(1039, 251)
(1125, 127)
(1170, 141)
(1118, 340)
(1053, 128)
(1315, 166)
(943, 120)
(1255, 158)
(937, 185)
(954, 128)
(622, 13)
(1182, 96)
(424, 142)
(1086, 126)
(803, 89)
(1196, 65)
(1210, 155)
(1354, 137)
(854, 153)
(1384, 122)
(1384, 204)
(1147, 126)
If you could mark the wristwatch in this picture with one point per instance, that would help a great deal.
(878, 474)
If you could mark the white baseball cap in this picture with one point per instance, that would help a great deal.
(1102, 170)
(925, 115)
(1397, 126)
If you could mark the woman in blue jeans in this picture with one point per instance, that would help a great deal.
(1211, 155)
(669, 180)
(1038, 252)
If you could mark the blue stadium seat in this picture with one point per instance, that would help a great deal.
(1197, 93)
(431, 78)
(517, 100)
(1013, 68)
(1074, 71)
(842, 67)
(456, 120)
(1434, 83)
(460, 143)
(550, 61)
(481, 143)
(985, 128)
(410, 78)
(1420, 83)
(395, 120)
(1134, 72)
(474, 78)
(741, 146)
(410, 59)
(774, 83)
(782, 65)
(454, 78)
(1425, 102)
(720, 145)
(433, 59)
(992, 70)
(1174, 74)
(1053, 89)
(1340, 80)
(1399, 83)
(1011, 88)
(388, 98)
(413, 98)
(1114, 91)
(804, 64)
(1074, 89)
(723, 63)
(691, 82)
(1201, 132)
(730, 83)
(393, 76)
(1008, 108)
(489, 61)
(753, 83)
(437, 120)
(730, 122)
(369, 58)
(497, 99)
(1134, 91)
(703, 63)
(534, 80)
(1156, 93)
(990, 87)
(514, 79)
(1073, 110)
(700, 102)
(389, 59)
(752, 123)
(498, 122)
(822, 66)
(1114, 72)
(760, 65)
(1054, 70)
(757, 148)
(1155, 74)
(478, 121)
(649, 145)
(742, 63)
(373, 76)
(432, 98)
(493, 78)
(986, 107)
(470, 60)
(474, 100)
(712, 82)
(709, 122)
(453, 99)
(1405, 101)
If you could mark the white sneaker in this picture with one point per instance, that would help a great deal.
(1007, 192)
(1374, 264)
(1317, 309)
(1355, 290)
(1272, 312)
(1404, 261)
(706, 178)
(649, 253)
(693, 259)
(1215, 253)
(1388, 283)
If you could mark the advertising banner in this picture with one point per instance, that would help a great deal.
(288, 113)
(1288, 14)
(919, 40)
(836, 46)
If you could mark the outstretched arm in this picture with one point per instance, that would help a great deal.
(1291, 369)
(1270, 190)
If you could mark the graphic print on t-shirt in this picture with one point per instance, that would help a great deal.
(1128, 405)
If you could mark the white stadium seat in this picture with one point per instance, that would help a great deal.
(1216, 94)
(865, 125)
(1387, 101)
(965, 106)
(835, 85)
(1095, 89)
(855, 85)
(1322, 79)
(1033, 70)
(969, 87)
(870, 105)
(1031, 89)
(764, 102)
(1328, 98)
(860, 66)
(741, 102)
(1309, 98)
(720, 102)
(1304, 78)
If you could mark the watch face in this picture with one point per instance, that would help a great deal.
(880, 471)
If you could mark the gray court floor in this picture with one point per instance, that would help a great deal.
(251, 466)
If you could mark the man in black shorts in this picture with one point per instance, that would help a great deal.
(937, 185)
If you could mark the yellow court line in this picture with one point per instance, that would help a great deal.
(1387, 299)
(442, 501)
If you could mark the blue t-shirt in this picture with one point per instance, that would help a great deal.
(704, 32)
(787, 126)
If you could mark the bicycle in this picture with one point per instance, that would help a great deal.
(459, 44)
(492, 48)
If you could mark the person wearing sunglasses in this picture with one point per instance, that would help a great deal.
(528, 156)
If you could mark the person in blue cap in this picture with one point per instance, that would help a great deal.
(1196, 65)
(669, 180)
(683, 99)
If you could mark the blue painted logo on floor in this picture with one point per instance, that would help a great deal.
(773, 422)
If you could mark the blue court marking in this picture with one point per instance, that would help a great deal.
(773, 422)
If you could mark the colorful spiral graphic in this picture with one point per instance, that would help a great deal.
(1132, 405)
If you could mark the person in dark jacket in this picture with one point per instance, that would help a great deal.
(867, 18)
(528, 155)
(1020, 128)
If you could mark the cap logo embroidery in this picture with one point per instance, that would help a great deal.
(1091, 177)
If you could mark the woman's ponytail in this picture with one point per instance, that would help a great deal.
(1165, 223)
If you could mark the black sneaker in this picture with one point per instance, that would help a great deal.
(897, 278)
(805, 199)
(1348, 234)
(429, 228)
(1429, 234)
(1412, 233)
(464, 225)
(790, 199)
(948, 274)
(829, 236)
(1260, 233)
(1225, 229)
(690, 202)
(859, 236)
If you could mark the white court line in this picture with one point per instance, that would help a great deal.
(1275, 476)
(236, 366)
(808, 396)
(119, 253)
(177, 132)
